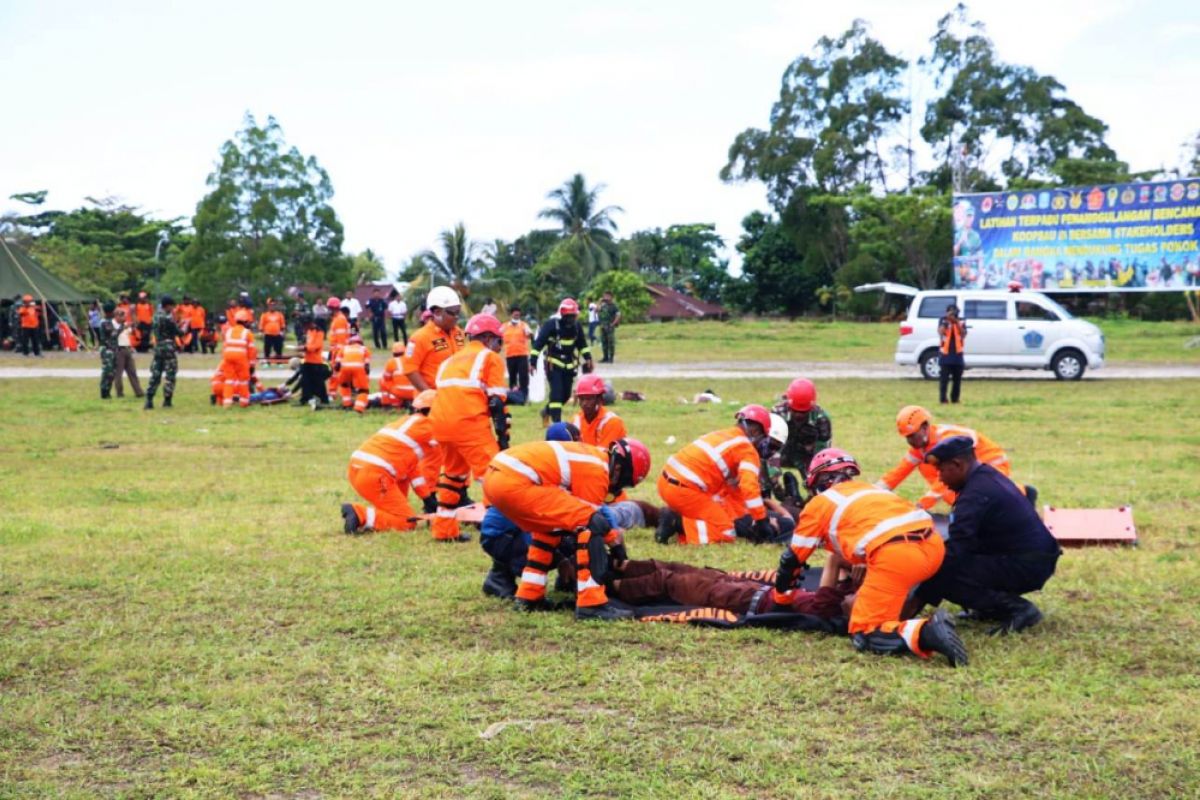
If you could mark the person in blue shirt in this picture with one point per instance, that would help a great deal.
(998, 548)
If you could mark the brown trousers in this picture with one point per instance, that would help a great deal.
(125, 366)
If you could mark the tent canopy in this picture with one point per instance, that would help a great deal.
(21, 274)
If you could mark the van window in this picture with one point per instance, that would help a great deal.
(1027, 310)
(986, 309)
(934, 306)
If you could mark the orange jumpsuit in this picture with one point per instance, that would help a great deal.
(697, 479)
(427, 349)
(463, 426)
(602, 431)
(987, 451)
(893, 538)
(548, 488)
(235, 364)
(352, 376)
(384, 467)
(197, 319)
(339, 336)
(394, 385)
(314, 346)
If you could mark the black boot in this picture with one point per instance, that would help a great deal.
(938, 634)
(499, 583)
(105, 396)
(1022, 614)
(149, 403)
(166, 401)
(1031, 494)
(668, 527)
(605, 613)
(349, 519)
(528, 606)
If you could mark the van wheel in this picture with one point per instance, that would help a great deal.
(930, 368)
(1069, 365)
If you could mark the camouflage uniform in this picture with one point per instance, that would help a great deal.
(165, 359)
(107, 335)
(608, 332)
(809, 432)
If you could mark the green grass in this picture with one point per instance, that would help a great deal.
(180, 616)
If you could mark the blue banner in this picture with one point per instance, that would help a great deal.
(1124, 237)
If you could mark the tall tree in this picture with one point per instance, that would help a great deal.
(829, 127)
(367, 267)
(460, 258)
(991, 112)
(588, 225)
(267, 222)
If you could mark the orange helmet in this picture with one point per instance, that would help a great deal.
(910, 419)
(27, 298)
(398, 349)
(831, 459)
(242, 315)
(424, 400)
(590, 385)
(483, 323)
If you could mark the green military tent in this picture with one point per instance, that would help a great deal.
(20, 274)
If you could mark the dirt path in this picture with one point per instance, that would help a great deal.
(722, 370)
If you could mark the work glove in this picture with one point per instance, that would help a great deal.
(789, 569)
(430, 503)
(764, 531)
(618, 553)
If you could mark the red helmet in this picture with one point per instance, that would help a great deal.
(801, 394)
(755, 413)
(568, 306)
(333, 302)
(831, 459)
(638, 455)
(354, 339)
(484, 323)
(590, 385)
(910, 419)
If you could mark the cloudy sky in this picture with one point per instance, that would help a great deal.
(425, 114)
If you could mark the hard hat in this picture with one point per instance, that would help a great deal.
(166, 300)
(483, 323)
(801, 394)
(293, 363)
(910, 419)
(589, 385)
(442, 297)
(27, 298)
(333, 302)
(424, 400)
(637, 454)
(242, 316)
(398, 349)
(562, 432)
(779, 430)
(831, 459)
(568, 306)
(354, 339)
(755, 413)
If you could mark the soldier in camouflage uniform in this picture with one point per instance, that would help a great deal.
(165, 359)
(107, 336)
(809, 428)
(610, 318)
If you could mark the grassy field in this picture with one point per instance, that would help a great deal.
(780, 340)
(181, 616)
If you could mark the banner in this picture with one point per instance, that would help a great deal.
(1124, 237)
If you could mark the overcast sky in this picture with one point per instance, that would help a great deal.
(425, 114)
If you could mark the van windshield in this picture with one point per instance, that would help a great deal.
(1062, 312)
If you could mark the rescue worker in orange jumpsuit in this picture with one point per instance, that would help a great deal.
(312, 368)
(554, 489)
(237, 354)
(338, 337)
(517, 338)
(384, 467)
(915, 424)
(197, 318)
(29, 321)
(396, 391)
(468, 416)
(273, 326)
(597, 425)
(861, 524)
(693, 483)
(353, 369)
(143, 313)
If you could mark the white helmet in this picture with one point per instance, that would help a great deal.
(442, 297)
(779, 430)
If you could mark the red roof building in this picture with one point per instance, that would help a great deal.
(670, 304)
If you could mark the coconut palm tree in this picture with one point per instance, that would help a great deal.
(459, 261)
(591, 228)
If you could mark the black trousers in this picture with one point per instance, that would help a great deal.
(274, 344)
(560, 381)
(379, 332)
(312, 382)
(30, 336)
(992, 585)
(518, 374)
(399, 331)
(951, 370)
(144, 340)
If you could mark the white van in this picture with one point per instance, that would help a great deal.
(1015, 330)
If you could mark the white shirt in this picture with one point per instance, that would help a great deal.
(489, 309)
(398, 309)
(353, 307)
(123, 336)
(593, 313)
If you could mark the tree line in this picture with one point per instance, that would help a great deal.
(859, 177)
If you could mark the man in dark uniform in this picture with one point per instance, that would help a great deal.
(610, 318)
(166, 363)
(565, 345)
(998, 548)
(810, 429)
(106, 335)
